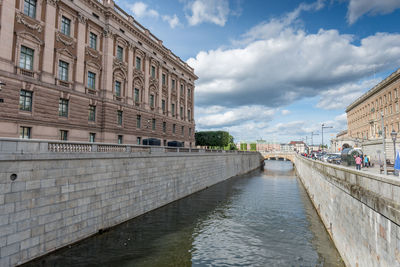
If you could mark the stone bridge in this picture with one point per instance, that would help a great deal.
(278, 155)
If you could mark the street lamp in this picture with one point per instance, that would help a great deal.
(393, 134)
(324, 127)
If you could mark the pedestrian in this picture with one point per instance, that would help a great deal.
(358, 162)
(366, 161)
(369, 161)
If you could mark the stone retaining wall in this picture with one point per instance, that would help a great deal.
(361, 211)
(61, 198)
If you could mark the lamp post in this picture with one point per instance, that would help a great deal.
(393, 134)
(383, 145)
(322, 137)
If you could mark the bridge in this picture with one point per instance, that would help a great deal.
(278, 156)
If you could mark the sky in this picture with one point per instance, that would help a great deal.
(276, 70)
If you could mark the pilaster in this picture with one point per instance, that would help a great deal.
(49, 35)
(169, 95)
(146, 81)
(108, 63)
(7, 34)
(160, 85)
(80, 62)
(131, 66)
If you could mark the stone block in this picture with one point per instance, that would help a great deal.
(17, 237)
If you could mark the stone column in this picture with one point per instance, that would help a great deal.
(108, 59)
(49, 35)
(80, 61)
(186, 108)
(160, 86)
(178, 99)
(169, 95)
(7, 34)
(131, 66)
(146, 81)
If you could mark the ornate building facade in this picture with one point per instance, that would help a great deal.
(364, 120)
(85, 70)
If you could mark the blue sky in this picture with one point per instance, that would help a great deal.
(277, 69)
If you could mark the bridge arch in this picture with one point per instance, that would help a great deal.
(278, 156)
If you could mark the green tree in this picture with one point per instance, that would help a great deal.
(218, 139)
(253, 147)
(243, 146)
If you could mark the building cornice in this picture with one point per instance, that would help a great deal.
(388, 80)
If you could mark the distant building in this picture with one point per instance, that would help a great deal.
(286, 147)
(342, 139)
(299, 146)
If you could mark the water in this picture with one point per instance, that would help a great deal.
(261, 219)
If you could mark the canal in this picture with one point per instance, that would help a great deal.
(264, 218)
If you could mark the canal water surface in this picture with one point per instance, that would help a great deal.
(261, 219)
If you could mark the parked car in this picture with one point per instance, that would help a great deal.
(152, 142)
(175, 144)
(334, 158)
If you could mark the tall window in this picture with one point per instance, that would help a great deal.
(117, 88)
(190, 132)
(63, 135)
(163, 105)
(173, 128)
(138, 63)
(173, 84)
(138, 140)
(153, 72)
(25, 132)
(138, 121)
(152, 101)
(26, 58)
(173, 110)
(188, 93)
(153, 124)
(30, 8)
(164, 80)
(164, 126)
(63, 107)
(181, 89)
(93, 40)
(25, 100)
(91, 80)
(183, 130)
(119, 117)
(120, 52)
(189, 115)
(181, 112)
(65, 25)
(63, 70)
(92, 137)
(92, 113)
(120, 139)
(136, 95)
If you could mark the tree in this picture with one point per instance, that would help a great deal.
(253, 147)
(213, 138)
(243, 146)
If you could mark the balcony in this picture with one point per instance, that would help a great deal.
(63, 83)
(91, 91)
(26, 72)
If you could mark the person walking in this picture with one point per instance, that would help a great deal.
(358, 162)
(366, 161)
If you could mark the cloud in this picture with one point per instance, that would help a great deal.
(173, 21)
(285, 112)
(358, 8)
(344, 95)
(211, 11)
(277, 63)
(141, 10)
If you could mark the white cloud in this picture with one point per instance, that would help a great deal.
(173, 21)
(141, 10)
(212, 11)
(344, 95)
(358, 8)
(285, 112)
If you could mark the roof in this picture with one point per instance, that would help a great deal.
(296, 142)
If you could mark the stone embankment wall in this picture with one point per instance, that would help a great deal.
(60, 198)
(361, 211)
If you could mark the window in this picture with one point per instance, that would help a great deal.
(119, 117)
(390, 96)
(165, 142)
(138, 63)
(173, 110)
(30, 8)
(63, 70)
(181, 90)
(63, 107)
(138, 121)
(136, 95)
(120, 52)
(395, 93)
(152, 101)
(153, 72)
(65, 25)
(92, 113)
(120, 139)
(117, 88)
(92, 137)
(163, 105)
(173, 128)
(26, 58)
(91, 83)
(181, 112)
(164, 81)
(189, 115)
(173, 84)
(93, 41)
(25, 100)
(63, 135)
(190, 132)
(183, 130)
(138, 140)
(25, 132)
(188, 93)
(164, 126)
(153, 124)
